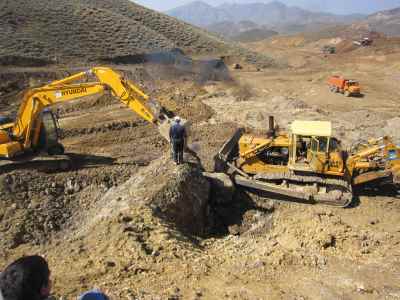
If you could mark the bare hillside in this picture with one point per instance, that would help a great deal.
(387, 22)
(63, 30)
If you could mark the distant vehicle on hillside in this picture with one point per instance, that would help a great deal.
(347, 87)
(364, 42)
(327, 49)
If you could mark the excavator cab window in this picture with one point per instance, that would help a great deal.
(5, 120)
(50, 133)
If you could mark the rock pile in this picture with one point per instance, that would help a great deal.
(177, 194)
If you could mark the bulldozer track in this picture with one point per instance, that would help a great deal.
(338, 191)
(304, 179)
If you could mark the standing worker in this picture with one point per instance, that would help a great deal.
(177, 135)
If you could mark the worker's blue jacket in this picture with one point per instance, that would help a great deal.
(177, 132)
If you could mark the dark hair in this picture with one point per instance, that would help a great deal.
(24, 278)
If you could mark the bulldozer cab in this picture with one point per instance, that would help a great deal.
(313, 149)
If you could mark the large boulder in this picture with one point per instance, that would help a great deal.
(177, 194)
(183, 200)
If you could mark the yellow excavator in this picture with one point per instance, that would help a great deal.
(35, 127)
(308, 163)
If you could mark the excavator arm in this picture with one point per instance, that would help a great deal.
(121, 88)
(25, 130)
(379, 159)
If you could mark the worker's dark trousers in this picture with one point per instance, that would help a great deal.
(177, 150)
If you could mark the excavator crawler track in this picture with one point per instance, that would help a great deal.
(47, 164)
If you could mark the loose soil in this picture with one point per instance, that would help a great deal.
(115, 223)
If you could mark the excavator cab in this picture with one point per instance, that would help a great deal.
(49, 134)
(45, 132)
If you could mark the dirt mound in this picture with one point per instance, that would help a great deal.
(178, 194)
(124, 225)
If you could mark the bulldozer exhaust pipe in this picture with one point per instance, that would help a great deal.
(271, 127)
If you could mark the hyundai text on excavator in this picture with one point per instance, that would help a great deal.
(308, 163)
(36, 128)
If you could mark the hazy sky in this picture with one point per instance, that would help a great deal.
(334, 6)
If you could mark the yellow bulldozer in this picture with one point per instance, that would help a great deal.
(35, 129)
(308, 163)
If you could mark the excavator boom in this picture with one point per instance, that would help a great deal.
(23, 134)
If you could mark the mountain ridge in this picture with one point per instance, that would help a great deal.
(273, 13)
(386, 22)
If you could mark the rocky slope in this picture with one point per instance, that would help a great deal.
(243, 31)
(200, 13)
(387, 22)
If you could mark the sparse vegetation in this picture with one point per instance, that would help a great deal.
(72, 30)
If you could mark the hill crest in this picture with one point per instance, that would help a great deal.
(88, 30)
(272, 14)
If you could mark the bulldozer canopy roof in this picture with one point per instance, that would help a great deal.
(312, 128)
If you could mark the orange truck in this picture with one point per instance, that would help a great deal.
(345, 86)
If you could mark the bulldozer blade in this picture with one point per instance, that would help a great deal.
(227, 150)
(371, 176)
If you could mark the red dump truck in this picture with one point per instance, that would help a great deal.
(347, 87)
